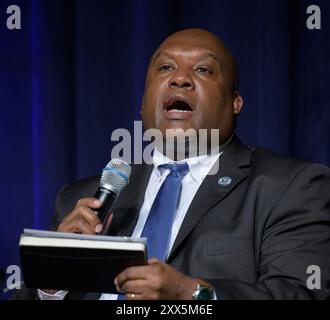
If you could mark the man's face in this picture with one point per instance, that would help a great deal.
(189, 86)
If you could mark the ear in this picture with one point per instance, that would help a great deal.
(237, 102)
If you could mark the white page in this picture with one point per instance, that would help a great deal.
(64, 235)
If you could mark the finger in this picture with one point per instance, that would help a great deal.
(77, 225)
(134, 286)
(89, 216)
(134, 296)
(70, 217)
(89, 202)
(136, 290)
(132, 273)
(83, 213)
(141, 290)
(85, 203)
(83, 227)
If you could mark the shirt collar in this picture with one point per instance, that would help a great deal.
(199, 166)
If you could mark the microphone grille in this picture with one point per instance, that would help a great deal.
(115, 175)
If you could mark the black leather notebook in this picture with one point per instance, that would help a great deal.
(64, 261)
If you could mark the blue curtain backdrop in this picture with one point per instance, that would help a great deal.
(75, 72)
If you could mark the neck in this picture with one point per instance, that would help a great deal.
(176, 152)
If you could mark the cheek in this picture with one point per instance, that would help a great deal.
(151, 110)
(215, 110)
(153, 94)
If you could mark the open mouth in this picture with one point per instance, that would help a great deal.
(178, 106)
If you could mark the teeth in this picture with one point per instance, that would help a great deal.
(177, 110)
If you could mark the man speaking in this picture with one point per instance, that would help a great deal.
(250, 231)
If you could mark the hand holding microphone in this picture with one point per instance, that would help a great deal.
(83, 219)
(93, 215)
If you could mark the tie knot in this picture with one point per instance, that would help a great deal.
(177, 168)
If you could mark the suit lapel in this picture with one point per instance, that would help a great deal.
(233, 163)
(128, 204)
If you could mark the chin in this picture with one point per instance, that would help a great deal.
(177, 125)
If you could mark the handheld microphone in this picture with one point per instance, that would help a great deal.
(115, 177)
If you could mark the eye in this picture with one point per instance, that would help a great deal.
(203, 70)
(166, 68)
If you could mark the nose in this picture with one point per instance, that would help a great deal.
(182, 80)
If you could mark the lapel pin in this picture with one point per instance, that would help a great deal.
(225, 181)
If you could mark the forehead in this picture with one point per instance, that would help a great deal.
(195, 46)
(189, 53)
(187, 40)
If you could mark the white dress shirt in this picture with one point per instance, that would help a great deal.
(199, 167)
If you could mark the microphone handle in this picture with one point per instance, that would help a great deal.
(107, 197)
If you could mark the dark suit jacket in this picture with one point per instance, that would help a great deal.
(252, 239)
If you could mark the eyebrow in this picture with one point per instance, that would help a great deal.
(212, 56)
(158, 55)
(203, 57)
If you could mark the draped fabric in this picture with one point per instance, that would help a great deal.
(75, 72)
